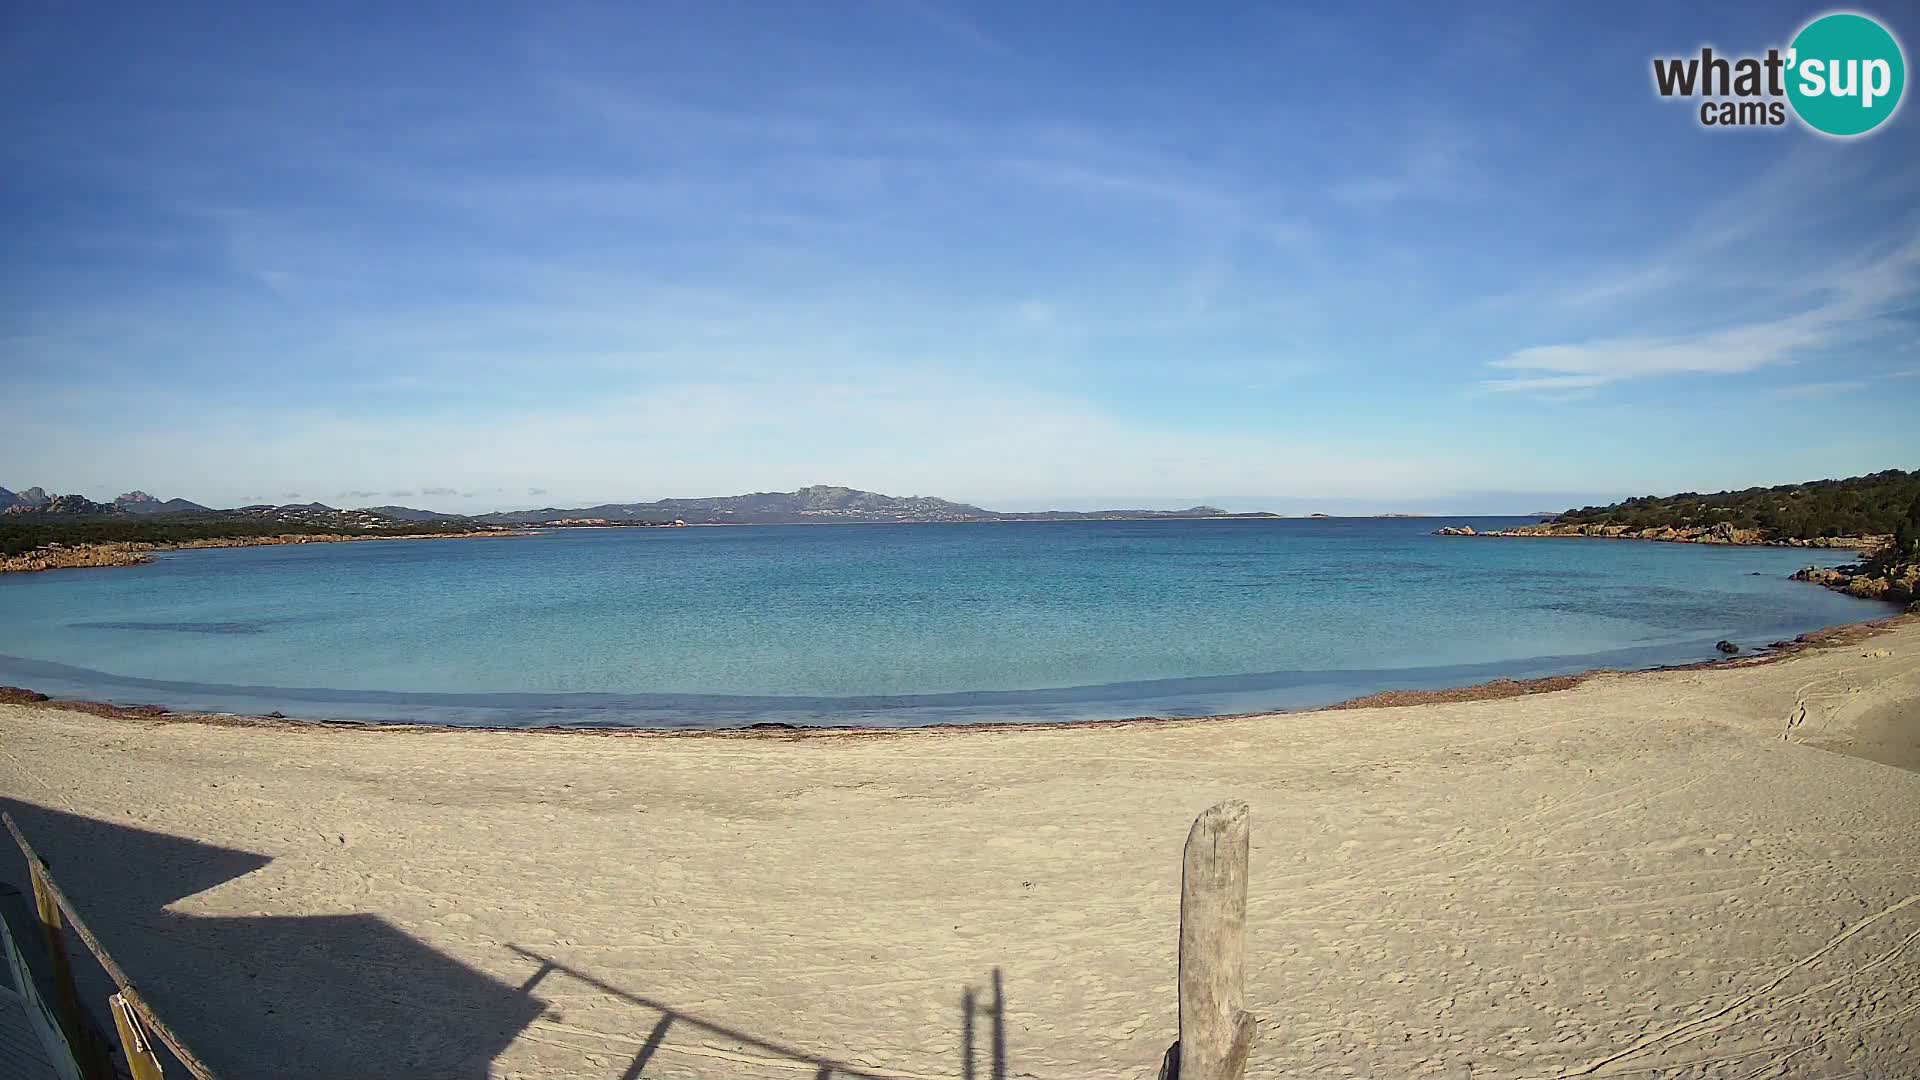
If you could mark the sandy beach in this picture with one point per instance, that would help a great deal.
(1701, 873)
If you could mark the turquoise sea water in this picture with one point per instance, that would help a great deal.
(885, 624)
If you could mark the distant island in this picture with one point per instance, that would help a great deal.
(827, 503)
(819, 503)
(41, 531)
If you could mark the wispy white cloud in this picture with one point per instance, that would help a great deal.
(1839, 305)
(953, 24)
(1438, 166)
(1822, 389)
(1799, 192)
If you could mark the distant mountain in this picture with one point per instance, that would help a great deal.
(822, 503)
(1122, 515)
(139, 502)
(408, 513)
(819, 503)
(56, 504)
(33, 498)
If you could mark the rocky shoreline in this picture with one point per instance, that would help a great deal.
(59, 557)
(1897, 584)
(1723, 533)
(1873, 579)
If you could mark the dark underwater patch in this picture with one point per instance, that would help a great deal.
(180, 627)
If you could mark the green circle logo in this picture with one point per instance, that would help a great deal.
(1845, 73)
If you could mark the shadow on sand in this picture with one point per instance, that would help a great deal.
(822, 1068)
(332, 996)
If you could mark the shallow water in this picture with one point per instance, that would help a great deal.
(886, 624)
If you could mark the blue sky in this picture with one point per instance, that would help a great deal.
(1345, 256)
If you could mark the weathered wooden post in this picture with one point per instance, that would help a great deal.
(1216, 1031)
(87, 1051)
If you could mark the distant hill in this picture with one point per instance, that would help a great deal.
(819, 503)
(34, 503)
(1870, 505)
(408, 513)
(1122, 515)
(139, 502)
(30, 499)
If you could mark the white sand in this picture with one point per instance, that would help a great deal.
(1640, 871)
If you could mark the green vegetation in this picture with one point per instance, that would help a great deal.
(1876, 504)
(1906, 537)
(20, 533)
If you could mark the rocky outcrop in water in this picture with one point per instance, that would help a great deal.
(1897, 582)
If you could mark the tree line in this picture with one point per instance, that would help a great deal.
(1877, 504)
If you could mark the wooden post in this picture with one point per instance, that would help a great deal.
(73, 1017)
(141, 1060)
(1216, 1031)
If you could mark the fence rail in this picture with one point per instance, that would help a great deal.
(133, 1018)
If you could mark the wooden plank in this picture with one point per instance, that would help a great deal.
(1216, 1031)
(20, 1049)
(33, 985)
(141, 1060)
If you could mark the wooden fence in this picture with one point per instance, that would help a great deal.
(69, 1037)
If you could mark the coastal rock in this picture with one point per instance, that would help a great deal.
(1723, 533)
(1726, 647)
(1834, 577)
(54, 557)
(1461, 530)
(131, 553)
(1893, 582)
